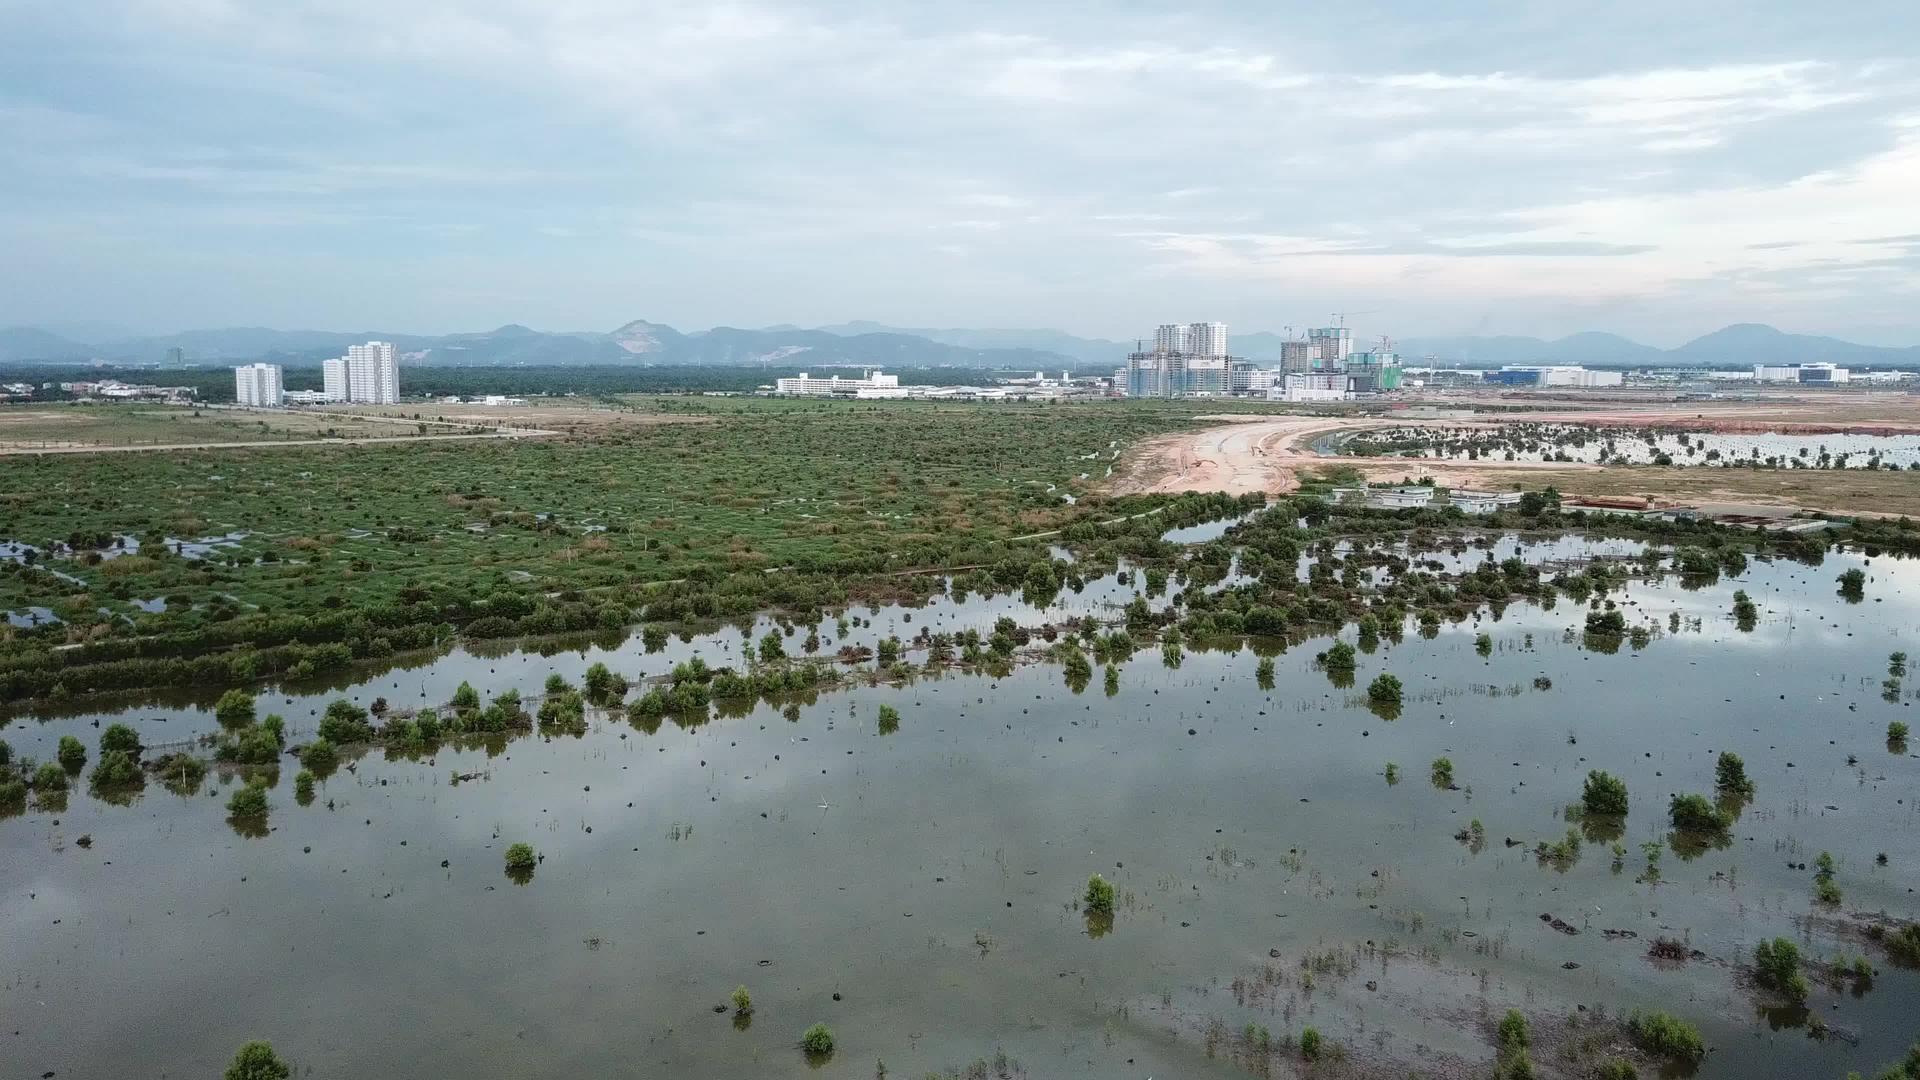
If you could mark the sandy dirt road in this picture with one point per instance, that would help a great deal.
(1251, 454)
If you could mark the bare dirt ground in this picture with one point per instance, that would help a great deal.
(1253, 453)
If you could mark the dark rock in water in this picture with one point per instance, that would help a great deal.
(1273, 954)
(1570, 965)
(719, 1008)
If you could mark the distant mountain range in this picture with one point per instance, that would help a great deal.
(877, 345)
(638, 342)
(1740, 345)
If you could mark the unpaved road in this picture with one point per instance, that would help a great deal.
(1250, 454)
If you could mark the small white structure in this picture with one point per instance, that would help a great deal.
(1401, 498)
(258, 386)
(305, 397)
(1483, 502)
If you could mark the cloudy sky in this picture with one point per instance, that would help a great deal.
(1653, 168)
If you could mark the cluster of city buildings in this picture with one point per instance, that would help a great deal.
(368, 374)
(114, 390)
(1804, 374)
(1193, 360)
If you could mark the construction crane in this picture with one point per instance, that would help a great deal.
(1341, 316)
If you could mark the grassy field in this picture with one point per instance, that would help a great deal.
(58, 426)
(195, 548)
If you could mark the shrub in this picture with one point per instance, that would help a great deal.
(817, 1040)
(303, 787)
(1605, 794)
(181, 773)
(50, 777)
(1339, 657)
(13, 792)
(72, 752)
(1442, 774)
(344, 722)
(1616, 1069)
(116, 769)
(257, 1061)
(1384, 690)
(1776, 966)
(465, 698)
(1693, 813)
(603, 685)
(1606, 623)
(248, 801)
(1310, 1044)
(1853, 584)
(1099, 897)
(120, 737)
(320, 756)
(1666, 1035)
(889, 719)
(6, 754)
(1513, 1030)
(1896, 731)
(1730, 775)
(1904, 944)
(742, 1001)
(234, 709)
(521, 857)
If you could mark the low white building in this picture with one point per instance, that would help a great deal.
(834, 386)
(1401, 498)
(1309, 386)
(305, 397)
(1482, 502)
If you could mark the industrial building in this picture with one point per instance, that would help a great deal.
(258, 386)
(869, 385)
(1299, 386)
(1804, 374)
(1559, 375)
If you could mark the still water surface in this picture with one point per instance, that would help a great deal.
(929, 876)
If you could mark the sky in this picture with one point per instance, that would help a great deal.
(1652, 169)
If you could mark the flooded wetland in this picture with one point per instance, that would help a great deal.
(904, 856)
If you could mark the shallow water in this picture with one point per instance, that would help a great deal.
(929, 875)
(1700, 449)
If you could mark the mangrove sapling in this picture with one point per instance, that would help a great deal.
(1263, 673)
(1384, 690)
(1897, 736)
(521, 861)
(1392, 774)
(120, 737)
(1310, 1044)
(320, 757)
(1853, 585)
(817, 1041)
(72, 753)
(1730, 776)
(257, 1061)
(116, 771)
(742, 1001)
(303, 787)
(1605, 795)
(49, 777)
(1825, 889)
(1442, 773)
(889, 719)
(1098, 899)
(234, 709)
(1666, 1035)
(1776, 966)
(1694, 814)
(249, 802)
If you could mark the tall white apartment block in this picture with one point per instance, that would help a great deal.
(333, 379)
(372, 374)
(257, 386)
(1170, 338)
(1207, 339)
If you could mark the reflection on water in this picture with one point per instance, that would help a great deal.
(914, 881)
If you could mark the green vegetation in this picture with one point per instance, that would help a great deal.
(1616, 1069)
(1392, 774)
(120, 737)
(116, 769)
(1384, 690)
(1310, 1044)
(257, 1061)
(1745, 613)
(817, 1040)
(72, 753)
(520, 858)
(1776, 966)
(1263, 673)
(303, 787)
(742, 1001)
(1730, 776)
(1666, 1035)
(1099, 896)
(1695, 814)
(330, 555)
(1853, 585)
(889, 719)
(1483, 644)
(1442, 773)
(1339, 658)
(1605, 795)
(1825, 889)
(234, 709)
(1897, 736)
(249, 802)
(1513, 1031)
(319, 757)
(50, 778)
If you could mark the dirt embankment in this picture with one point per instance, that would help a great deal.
(1270, 455)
